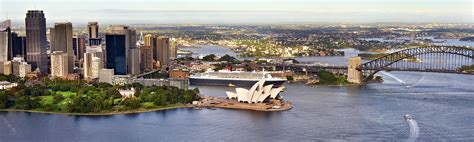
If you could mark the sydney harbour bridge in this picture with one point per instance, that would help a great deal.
(440, 59)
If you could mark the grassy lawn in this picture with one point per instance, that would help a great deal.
(67, 94)
(62, 105)
(148, 105)
(46, 100)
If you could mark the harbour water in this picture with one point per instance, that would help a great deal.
(440, 103)
(443, 110)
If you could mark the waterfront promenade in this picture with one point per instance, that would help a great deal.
(273, 105)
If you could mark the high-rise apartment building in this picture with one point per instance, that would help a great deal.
(96, 67)
(24, 69)
(59, 64)
(20, 67)
(36, 43)
(92, 65)
(6, 67)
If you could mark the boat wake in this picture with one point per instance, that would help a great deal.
(394, 77)
(414, 129)
(7, 123)
(416, 83)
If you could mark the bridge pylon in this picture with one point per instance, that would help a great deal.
(353, 74)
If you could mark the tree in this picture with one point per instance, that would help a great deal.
(209, 58)
(132, 103)
(188, 97)
(112, 92)
(162, 99)
(104, 85)
(3, 77)
(57, 98)
(137, 86)
(247, 67)
(326, 77)
(227, 58)
(3, 100)
(290, 78)
(26, 103)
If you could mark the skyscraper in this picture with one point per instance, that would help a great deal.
(62, 39)
(5, 44)
(163, 50)
(5, 41)
(93, 28)
(173, 49)
(51, 37)
(147, 54)
(79, 47)
(93, 31)
(119, 41)
(147, 58)
(96, 67)
(18, 45)
(148, 40)
(36, 44)
(134, 61)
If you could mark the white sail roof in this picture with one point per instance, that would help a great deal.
(257, 93)
(231, 95)
(275, 92)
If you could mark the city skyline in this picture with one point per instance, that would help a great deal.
(242, 12)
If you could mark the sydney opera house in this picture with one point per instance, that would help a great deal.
(257, 94)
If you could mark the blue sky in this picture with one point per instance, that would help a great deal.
(242, 11)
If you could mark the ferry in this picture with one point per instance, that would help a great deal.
(234, 78)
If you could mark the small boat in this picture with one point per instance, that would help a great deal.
(197, 108)
(414, 130)
(408, 117)
(231, 85)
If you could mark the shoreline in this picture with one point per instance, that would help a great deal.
(243, 106)
(101, 113)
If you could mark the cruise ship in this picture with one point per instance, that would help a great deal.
(234, 78)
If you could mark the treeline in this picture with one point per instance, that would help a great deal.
(79, 97)
(467, 68)
(226, 58)
(328, 78)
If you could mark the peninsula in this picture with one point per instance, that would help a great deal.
(79, 98)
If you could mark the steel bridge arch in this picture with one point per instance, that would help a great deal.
(383, 62)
